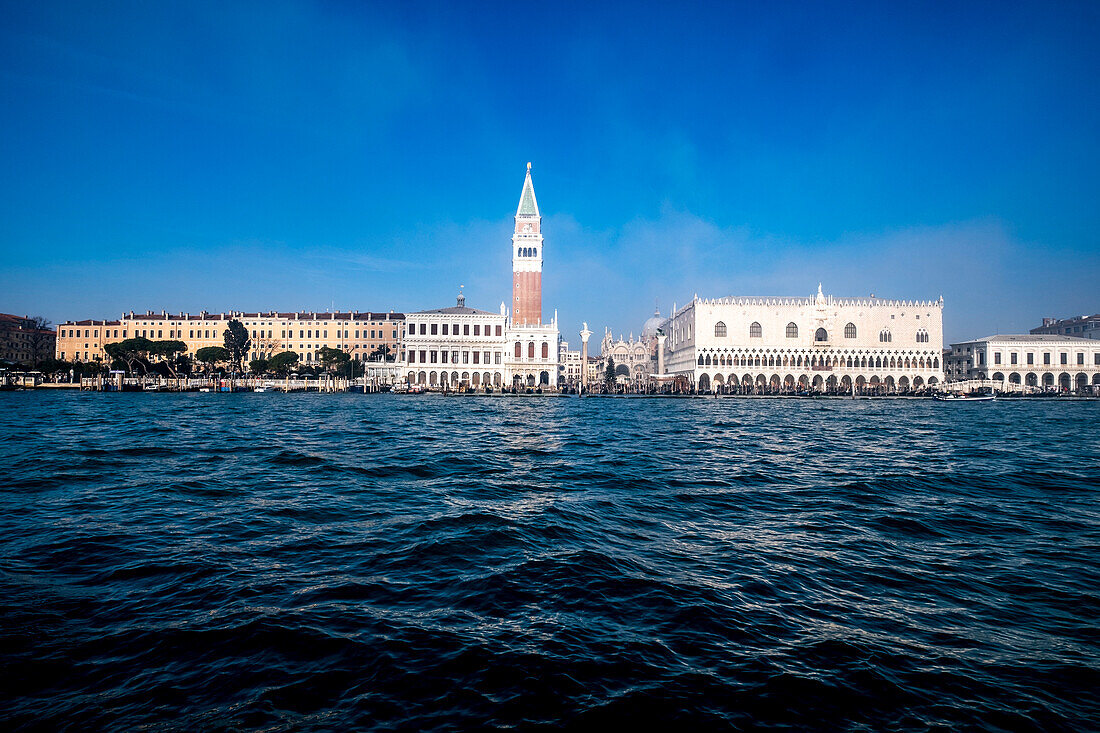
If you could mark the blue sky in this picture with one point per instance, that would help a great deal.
(300, 155)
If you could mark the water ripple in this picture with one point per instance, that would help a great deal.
(321, 562)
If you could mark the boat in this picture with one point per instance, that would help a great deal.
(964, 397)
(206, 389)
(260, 389)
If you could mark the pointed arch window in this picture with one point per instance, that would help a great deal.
(755, 331)
(792, 330)
(720, 329)
(850, 331)
(922, 336)
(884, 336)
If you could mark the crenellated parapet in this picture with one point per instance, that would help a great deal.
(827, 300)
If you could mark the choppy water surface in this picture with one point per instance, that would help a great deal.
(206, 561)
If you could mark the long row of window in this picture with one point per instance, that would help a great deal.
(527, 251)
(1013, 358)
(453, 329)
(820, 335)
(433, 356)
(814, 361)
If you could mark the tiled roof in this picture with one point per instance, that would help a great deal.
(301, 316)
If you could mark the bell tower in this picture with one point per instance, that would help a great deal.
(527, 259)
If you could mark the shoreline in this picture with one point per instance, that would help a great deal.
(56, 387)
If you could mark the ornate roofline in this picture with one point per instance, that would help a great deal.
(827, 300)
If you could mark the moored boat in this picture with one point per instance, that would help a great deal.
(964, 397)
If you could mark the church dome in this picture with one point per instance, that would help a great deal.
(649, 328)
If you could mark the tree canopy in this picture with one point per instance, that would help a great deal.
(237, 342)
(212, 355)
(332, 359)
(609, 373)
(132, 352)
(257, 366)
(283, 362)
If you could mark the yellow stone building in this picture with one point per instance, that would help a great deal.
(359, 334)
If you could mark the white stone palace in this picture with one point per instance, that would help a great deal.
(1027, 362)
(820, 343)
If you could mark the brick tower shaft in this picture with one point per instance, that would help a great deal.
(527, 259)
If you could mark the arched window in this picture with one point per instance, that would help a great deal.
(792, 331)
(545, 350)
(850, 331)
(821, 335)
(720, 329)
(531, 350)
(884, 336)
(700, 360)
(922, 336)
(519, 251)
(518, 352)
(755, 331)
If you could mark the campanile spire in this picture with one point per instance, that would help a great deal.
(527, 258)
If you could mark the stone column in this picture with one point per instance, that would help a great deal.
(661, 352)
(585, 334)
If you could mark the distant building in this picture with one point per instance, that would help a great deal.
(634, 358)
(596, 370)
(456, 347)
(23, 342)
(569, 365)
(461, 346)
(1086, 327)
(362, 335)
(1031, 360)
(820, 343)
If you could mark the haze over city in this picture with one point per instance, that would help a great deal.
(309, 156)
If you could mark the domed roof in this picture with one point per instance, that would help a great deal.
(649, 328)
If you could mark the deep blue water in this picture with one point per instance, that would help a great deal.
(327, 562)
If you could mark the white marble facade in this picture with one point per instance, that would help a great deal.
(1027, 362)
(821, 343)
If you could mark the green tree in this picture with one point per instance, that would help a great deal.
(332, 359)
(237, 343)
(133, 352)
(211, 355)
(609, 373)
(257, 366)
(54, 366)
(283, 362)
(169, 352)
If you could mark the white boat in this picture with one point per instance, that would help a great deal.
(260, 389)
(206, 389)
(964, 398)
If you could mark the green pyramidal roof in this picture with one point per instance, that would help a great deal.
(527, 205)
